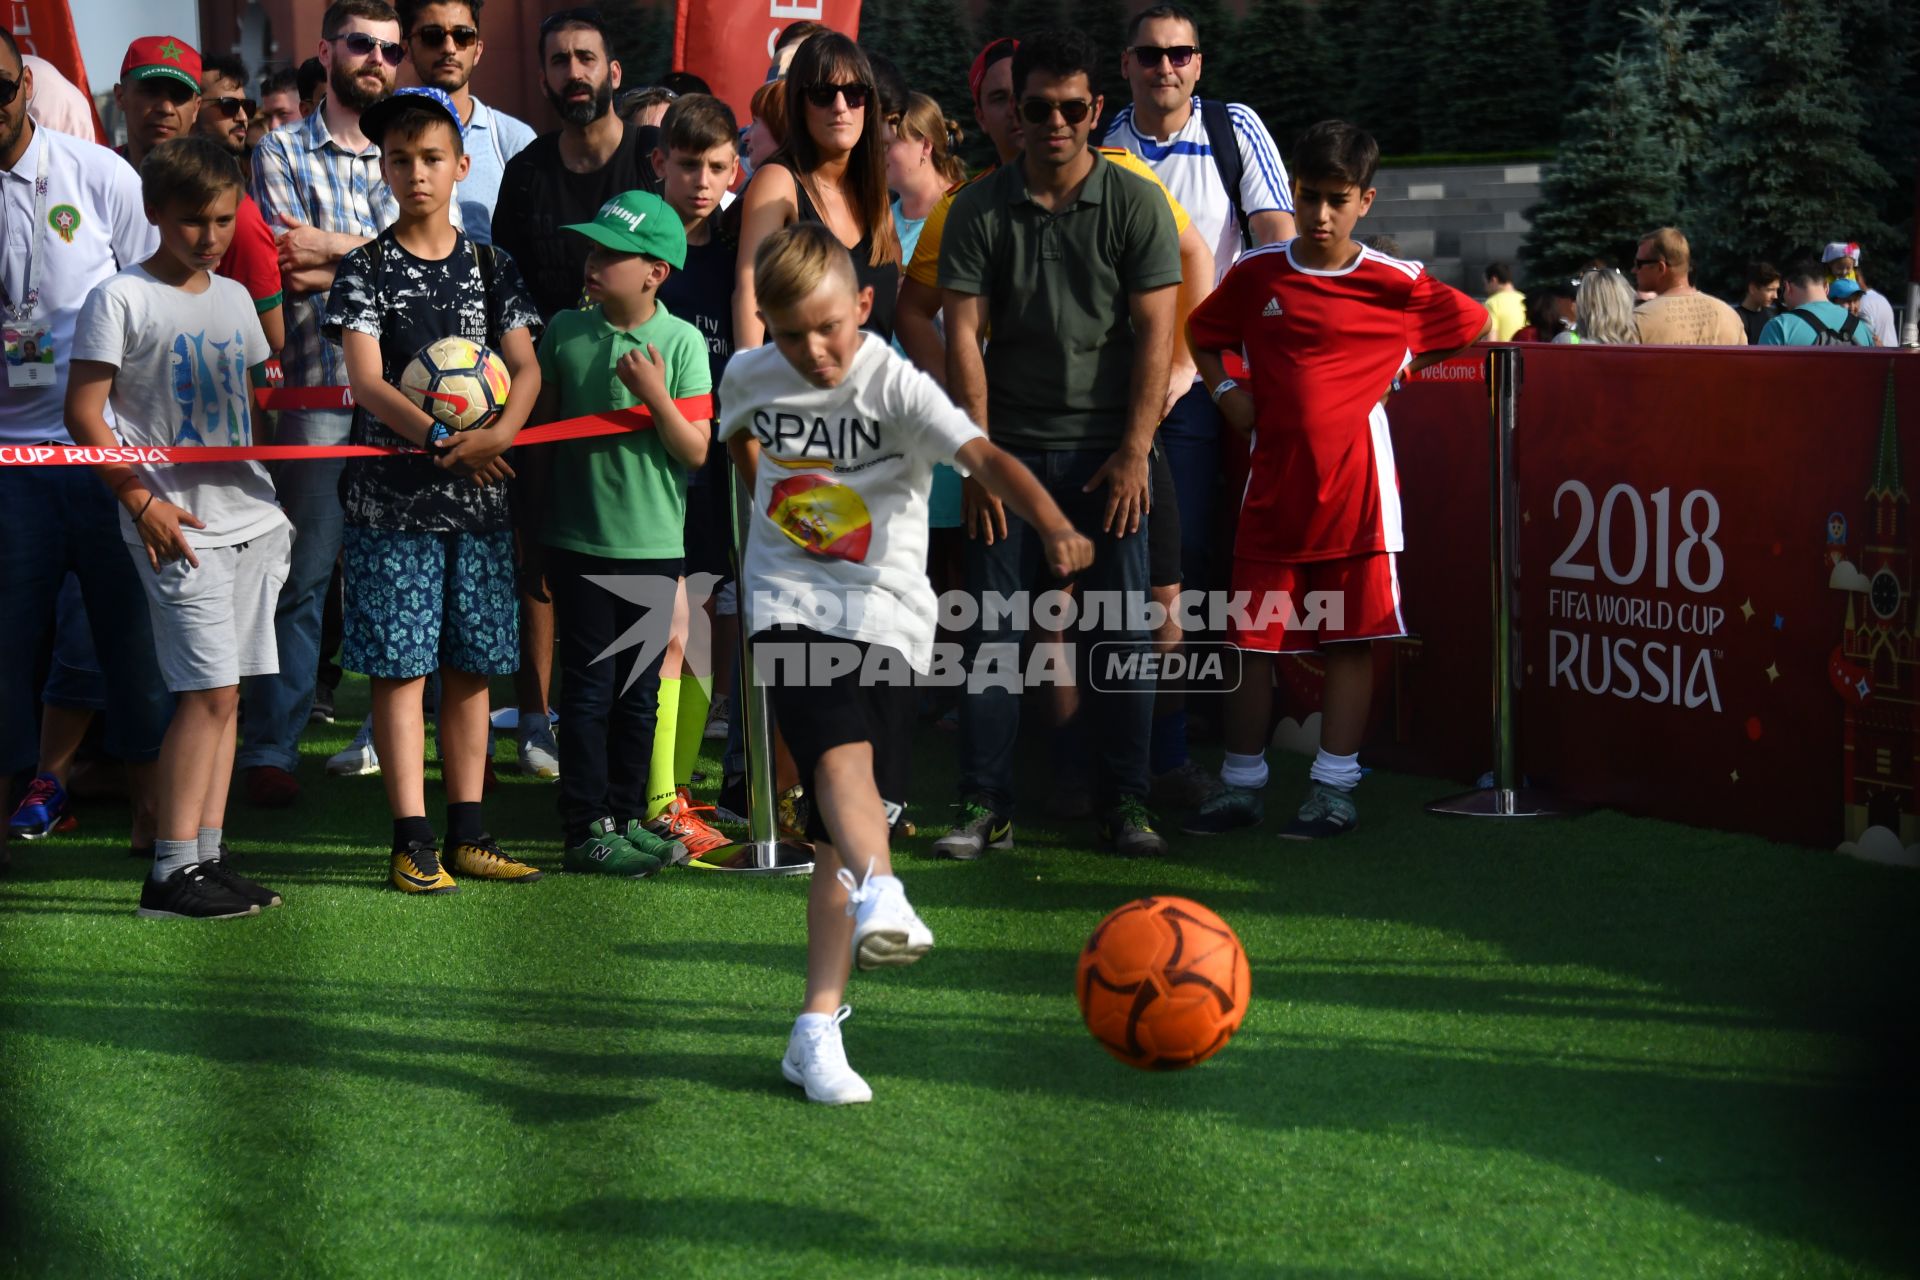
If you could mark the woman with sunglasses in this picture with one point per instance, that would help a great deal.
(832, 170)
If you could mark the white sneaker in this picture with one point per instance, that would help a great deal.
(817, 1061)
(357, 759)
(717, 716)
(886, 930)
(539, 753)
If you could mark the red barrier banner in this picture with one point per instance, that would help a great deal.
(45, 28)
(1717, 602)
(729, 43)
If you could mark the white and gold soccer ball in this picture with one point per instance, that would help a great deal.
(461, 383)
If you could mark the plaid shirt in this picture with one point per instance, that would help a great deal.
(302, 176)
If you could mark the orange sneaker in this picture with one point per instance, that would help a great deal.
(680, 822)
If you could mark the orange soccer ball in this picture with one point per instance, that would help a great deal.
(1163, 984)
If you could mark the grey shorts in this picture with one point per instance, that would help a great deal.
(214, 625)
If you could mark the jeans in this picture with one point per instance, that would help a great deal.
(1119, 711)
(1190, 438)
(606, 723)
(74, 681)
(274, 709)
(61, 520)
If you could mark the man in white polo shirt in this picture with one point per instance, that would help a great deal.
(70, 216)
(1221, 165)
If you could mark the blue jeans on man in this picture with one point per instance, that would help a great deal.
(1117, 709)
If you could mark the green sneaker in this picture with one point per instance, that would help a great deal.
(1128, 830)
(1328, 812)
(605, 852)
(670, 853)
(1229, 809)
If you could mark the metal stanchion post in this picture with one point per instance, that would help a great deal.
(763, 852)
(1505, 798)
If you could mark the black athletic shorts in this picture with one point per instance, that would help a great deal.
(1163, 524)
(709, 530)
(814, 718)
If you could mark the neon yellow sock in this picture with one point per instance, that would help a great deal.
(696, 695)
(665, 735)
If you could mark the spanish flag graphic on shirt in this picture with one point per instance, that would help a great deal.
(823, 517)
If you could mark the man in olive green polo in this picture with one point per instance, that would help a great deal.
(1072, 264)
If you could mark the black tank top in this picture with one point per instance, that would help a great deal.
(883, 279)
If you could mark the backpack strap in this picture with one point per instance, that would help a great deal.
(1225, 145)
(488, 263)
(1821, 329)
(1851, 327)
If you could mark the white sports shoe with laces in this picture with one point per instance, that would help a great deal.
(817, 1061)
(886, 929)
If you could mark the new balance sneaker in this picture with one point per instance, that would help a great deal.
(417, 869)
(817, 1061)
(220, 873)
(606, 852)
(191, 894)
(539, 753)
(484, 859)
(640, 835)
(1186, 786)
(271, 787)
(976, 828)
(717, 716)
(1328, 812)
(1128, 830)
(1230, 809)
(357, 759)
(681, 824)
(42, 811)
(887, 932)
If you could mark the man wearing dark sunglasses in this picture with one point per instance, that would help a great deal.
(225, 109)
(1073, 264)
(443, 39)
(251, 257)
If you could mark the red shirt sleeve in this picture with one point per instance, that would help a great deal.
(252, 259)
(1440, 317)
(1219, 323)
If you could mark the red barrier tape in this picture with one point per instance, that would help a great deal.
(74, 455)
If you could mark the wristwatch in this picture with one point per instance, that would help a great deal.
(1226, 385)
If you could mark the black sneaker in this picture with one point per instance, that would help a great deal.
(322, 712)
(1128, 830)
(191, 894)
(730, 808)
(258, 894)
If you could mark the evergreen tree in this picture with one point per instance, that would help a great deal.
(1786, 167)
(1375, 74)
(640, 37)
(1496, 63)
(1224, 74)
(1613, 181)
(1882, 40)
(1689, 85)
(1286, 38)
(934, 48)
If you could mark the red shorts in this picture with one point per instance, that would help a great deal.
(1297, 608)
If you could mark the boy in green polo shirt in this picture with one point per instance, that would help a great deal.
(609, 519)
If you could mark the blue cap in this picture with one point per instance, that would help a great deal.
(1842, 289)
(374, 120)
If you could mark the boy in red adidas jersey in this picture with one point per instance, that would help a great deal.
(1326, 326)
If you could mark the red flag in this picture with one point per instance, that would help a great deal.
(729, 43)
(45, 27)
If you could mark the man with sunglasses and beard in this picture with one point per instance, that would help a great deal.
(443, 39)
(223, 115)
(319, 187)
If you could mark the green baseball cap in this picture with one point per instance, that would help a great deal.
(638, 222)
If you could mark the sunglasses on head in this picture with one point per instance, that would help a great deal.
(231, 106)
(9, 89)
(1149, 55)
(1040, 110)
(360, 44)
(435, 35)
(822, 95)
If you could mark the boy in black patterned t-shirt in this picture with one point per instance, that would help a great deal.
(428, 552)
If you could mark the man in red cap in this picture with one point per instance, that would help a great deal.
(158, 93)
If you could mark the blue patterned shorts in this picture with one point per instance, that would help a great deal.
(416, 602)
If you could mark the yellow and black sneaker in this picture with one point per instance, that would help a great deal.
(417, 869)
(483, 858)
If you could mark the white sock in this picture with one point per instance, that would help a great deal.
(171, 855)
(1336, 771)
(1248, 772)
(210, 838)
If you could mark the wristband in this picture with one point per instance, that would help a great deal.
(438, 432)
(143, 507)
(1226, 385)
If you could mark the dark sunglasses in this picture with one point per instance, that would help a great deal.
(360, 44)
(1149, 55)
(1646, 262)
(231, 106)
(9, 90)
(566, 17)
(822, 95)
(1040, 110)
(436, 35)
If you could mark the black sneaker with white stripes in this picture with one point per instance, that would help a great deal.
(191, 894)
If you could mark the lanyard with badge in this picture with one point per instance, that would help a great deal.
(29, 343)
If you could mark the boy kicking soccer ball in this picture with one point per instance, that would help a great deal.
(1326, 326)
(836, 594)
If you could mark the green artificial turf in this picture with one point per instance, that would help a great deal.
(1589, 1048)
